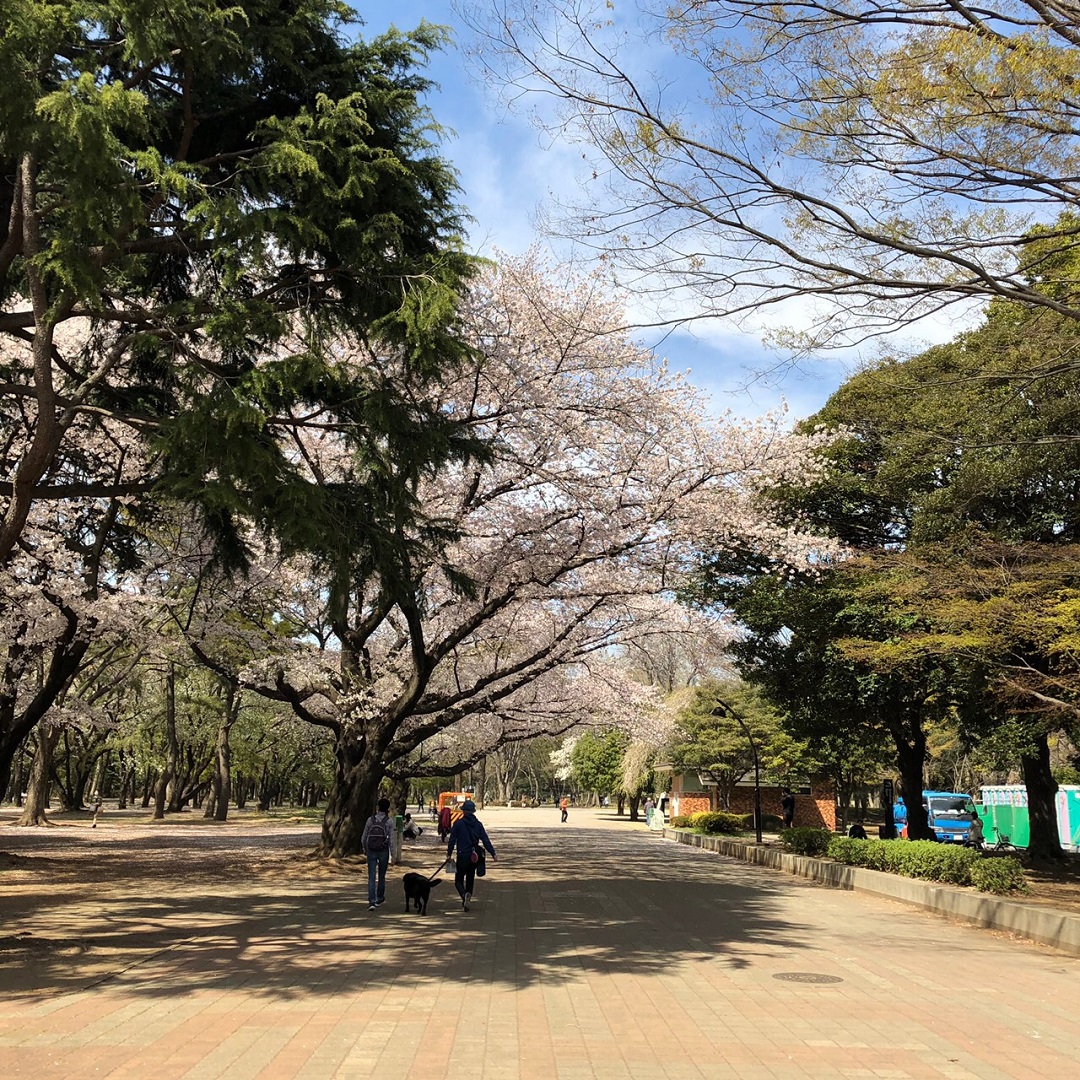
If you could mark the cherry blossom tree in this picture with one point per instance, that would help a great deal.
(538, 562)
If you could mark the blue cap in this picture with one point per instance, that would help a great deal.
(469, 806)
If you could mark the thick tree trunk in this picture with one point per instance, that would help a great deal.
(911, 759)
(1042, 813)
(635, 801)
(171, 753)
(37, 793)
(352, 798)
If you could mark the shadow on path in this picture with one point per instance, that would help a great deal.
(246, 916)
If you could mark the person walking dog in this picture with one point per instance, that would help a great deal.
(470, 838)
(375, 840)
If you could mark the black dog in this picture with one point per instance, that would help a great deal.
(417, 890)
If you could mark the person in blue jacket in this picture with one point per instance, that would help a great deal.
(470, 838)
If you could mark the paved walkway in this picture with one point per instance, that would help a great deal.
(595, 950)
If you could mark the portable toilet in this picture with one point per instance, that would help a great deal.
(1068, 816)
(1005, 809)
(1005, 813)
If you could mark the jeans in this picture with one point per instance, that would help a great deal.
(377, 861)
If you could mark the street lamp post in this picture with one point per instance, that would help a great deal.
(727, 710)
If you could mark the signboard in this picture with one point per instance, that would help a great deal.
(888, 831)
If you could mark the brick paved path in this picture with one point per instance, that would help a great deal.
(595, 950)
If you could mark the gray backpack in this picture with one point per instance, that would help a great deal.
(377, 839)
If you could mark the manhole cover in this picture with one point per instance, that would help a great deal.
(806, 977)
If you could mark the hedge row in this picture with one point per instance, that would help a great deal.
(924, 859)
(729, 824)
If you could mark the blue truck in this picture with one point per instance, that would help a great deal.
(948, 812)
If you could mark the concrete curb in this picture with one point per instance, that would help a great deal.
(1049, 926)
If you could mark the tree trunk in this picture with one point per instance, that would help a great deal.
(18, 784)
(223, 755)
(399, 796)
(1041, 790)
(911, 759)
(352, 798)
(172, 750)
(635, 800)
(127, 787)
(241, 791)
(97, 788)
(620, 801)
(481, 783)
(37, 793)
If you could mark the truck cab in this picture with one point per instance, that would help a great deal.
(949, 814)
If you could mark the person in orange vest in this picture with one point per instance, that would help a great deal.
(564, 807)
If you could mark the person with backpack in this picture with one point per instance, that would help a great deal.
(375, 841)
(470, 838)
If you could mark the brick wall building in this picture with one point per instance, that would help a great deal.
(815, 804)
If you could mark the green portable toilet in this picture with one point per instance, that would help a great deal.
(1005, 813)
(1005, 809)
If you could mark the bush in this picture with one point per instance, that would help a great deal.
(717, 822)
(805, 841)
(930, 861)
(1001, 875)
(682, 821)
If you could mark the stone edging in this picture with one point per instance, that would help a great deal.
(1049, 926)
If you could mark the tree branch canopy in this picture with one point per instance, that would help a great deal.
(882, 160)
(181, 193)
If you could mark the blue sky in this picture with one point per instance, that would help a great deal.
(508, 173)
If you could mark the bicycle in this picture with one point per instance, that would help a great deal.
(1003, 843)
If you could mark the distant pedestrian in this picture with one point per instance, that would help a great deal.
(787, 806)
(858, 832)
(411, 831)
(471, 839)
(650, 809)
(564, 808)
(375, 840)
(976, 837)
(444, 823)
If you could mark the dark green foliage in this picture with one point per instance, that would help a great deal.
(682, 821)
(597, 761)
(806, 841)
(717, 822)
(248, 193)
(929, 861)
(1001, 875)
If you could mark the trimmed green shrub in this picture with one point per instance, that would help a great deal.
(930, 861)
(717, 822)
(1000, 874)
(682, 821)
(804, 841)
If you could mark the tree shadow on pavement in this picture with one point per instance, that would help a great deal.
(559, 903)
